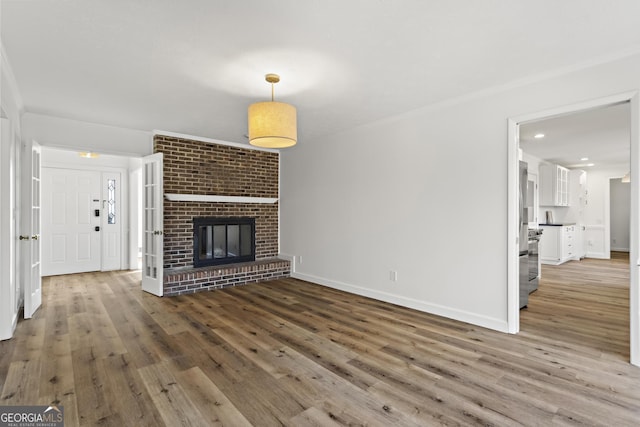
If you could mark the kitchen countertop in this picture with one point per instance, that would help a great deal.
(557, 225)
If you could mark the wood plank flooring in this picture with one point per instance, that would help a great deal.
(292, 353)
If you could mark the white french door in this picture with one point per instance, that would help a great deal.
(31, 218)
(71, 221)
(152, 241)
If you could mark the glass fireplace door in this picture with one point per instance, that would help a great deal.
(223, 241)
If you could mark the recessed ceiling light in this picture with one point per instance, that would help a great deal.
(88, 155)
(584, 159)
(538, 135)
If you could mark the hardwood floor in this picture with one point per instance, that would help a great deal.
(597, 317)
(292, 353)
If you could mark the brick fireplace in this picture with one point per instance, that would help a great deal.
(208, 180)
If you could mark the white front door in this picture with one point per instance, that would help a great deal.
(152, 242)
(71, 201)
(111, 221)
(31, 236)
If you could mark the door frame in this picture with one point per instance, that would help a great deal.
(513, 312)
(124, 202)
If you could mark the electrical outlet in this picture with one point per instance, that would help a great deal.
(299, 259)
(393, 276)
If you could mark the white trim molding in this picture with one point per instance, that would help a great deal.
(217, 199)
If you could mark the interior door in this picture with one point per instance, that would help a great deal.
(17, 218)
(111, 221)
(634, 288)
(8, 312)
(31, 212)
(152, 242)
(71, 230)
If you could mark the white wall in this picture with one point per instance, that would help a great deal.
(596, 213)
(620, 194)
(425, 194)
(533, 163)
(63, 158)
(83, 136)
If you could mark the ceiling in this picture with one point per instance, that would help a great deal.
(194, 66)
(600, 135)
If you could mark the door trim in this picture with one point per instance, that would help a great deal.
(513, 312)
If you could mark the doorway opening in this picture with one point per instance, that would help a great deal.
(90, 212)
(578, 207)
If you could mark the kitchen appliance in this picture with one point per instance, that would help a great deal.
(523, 238)
(534, 272)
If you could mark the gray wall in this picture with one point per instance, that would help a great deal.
(423, 194)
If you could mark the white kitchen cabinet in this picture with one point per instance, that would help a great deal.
(558, 244)
(554, 185)
(568, 242)
(578, 191)
(550, 252)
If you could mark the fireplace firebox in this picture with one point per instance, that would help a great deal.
(218, 241)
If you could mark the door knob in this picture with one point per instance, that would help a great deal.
(24, 237)
(158, 232)
(35, 236)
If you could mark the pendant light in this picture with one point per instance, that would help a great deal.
(272, 124)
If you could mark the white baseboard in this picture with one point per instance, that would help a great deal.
(451, 313)
(620, 249)
(597, 255)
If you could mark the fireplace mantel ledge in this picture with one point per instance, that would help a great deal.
(217, 199)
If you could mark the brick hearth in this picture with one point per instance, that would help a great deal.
(185, 281)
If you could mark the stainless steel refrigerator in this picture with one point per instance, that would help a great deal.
(523, 221)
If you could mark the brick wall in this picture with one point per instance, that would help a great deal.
(196, 167)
